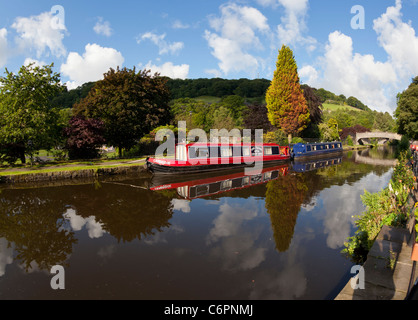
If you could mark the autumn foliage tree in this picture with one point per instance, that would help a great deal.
(286, 104)
(130, 104)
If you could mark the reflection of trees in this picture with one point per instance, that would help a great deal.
(125, 212)
(284, 198)
(34, 223)
(348, 172)
(33, 219)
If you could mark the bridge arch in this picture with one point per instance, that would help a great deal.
(382, 137)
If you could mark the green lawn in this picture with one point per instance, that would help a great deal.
(70, 167)
(333, 107)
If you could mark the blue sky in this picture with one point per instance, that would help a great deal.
(228, 39)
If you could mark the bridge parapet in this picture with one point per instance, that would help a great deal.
(382, 136)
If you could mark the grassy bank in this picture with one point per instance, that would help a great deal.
(50, 167)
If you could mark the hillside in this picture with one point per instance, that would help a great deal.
(212, 90)
(334, 107)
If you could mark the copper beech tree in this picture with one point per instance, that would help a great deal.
(286, 104)
(129, 103)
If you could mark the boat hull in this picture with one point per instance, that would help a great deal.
(316, 155)
(157, 168)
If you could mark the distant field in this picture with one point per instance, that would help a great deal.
(333, 107)
(208, 99)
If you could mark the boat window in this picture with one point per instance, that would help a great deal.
(226, 184)
(214, 152)
(275, 150)
(198, 152)
(327, 147)
(202, 152)
(237, 151)
(268, 151)
(202, 190)
(256, 178)
(309, 148)
(267, 176)
(181, 153)
(314, 148)
(246, 151)
(256, 151)
(226, 152)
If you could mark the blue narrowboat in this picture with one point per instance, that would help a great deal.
(301, 151)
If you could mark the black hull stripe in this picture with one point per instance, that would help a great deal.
(159, 169)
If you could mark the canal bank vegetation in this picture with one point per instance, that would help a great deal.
(388, 207)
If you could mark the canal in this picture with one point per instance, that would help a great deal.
(275, 235)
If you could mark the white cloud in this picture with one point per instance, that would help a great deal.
(375, 83)
(293, 25)
(229, 234)
(181, 205)
(399, 41)
(164, 47)
(180, 25)
(308, 74)
(354, 74)
(35, 62)
(3, 47)
(103, 28)
(341, 201)
(235, 37)
(170, 70)
(91, 66)
(41, 34)
(94, 228)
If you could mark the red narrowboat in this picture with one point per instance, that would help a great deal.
(203, 157)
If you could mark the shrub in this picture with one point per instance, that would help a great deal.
(84, 137)
(349, 141)
(277, 136)
(387, 207)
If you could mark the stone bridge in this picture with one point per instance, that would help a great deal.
(382, 137)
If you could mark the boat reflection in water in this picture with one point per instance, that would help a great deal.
(206, 185)
(305, 166)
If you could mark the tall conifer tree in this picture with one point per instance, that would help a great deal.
(287, 107)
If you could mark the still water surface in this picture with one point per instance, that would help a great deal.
(278, 235)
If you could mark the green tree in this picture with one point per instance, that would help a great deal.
(287, 107)
(27, 121)
(223, 119)
(406, 113)
(130, 104)
(196, 113)
(235, 104)
(383, 122)
(329, 131)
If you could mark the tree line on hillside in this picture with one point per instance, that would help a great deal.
(252, 90)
